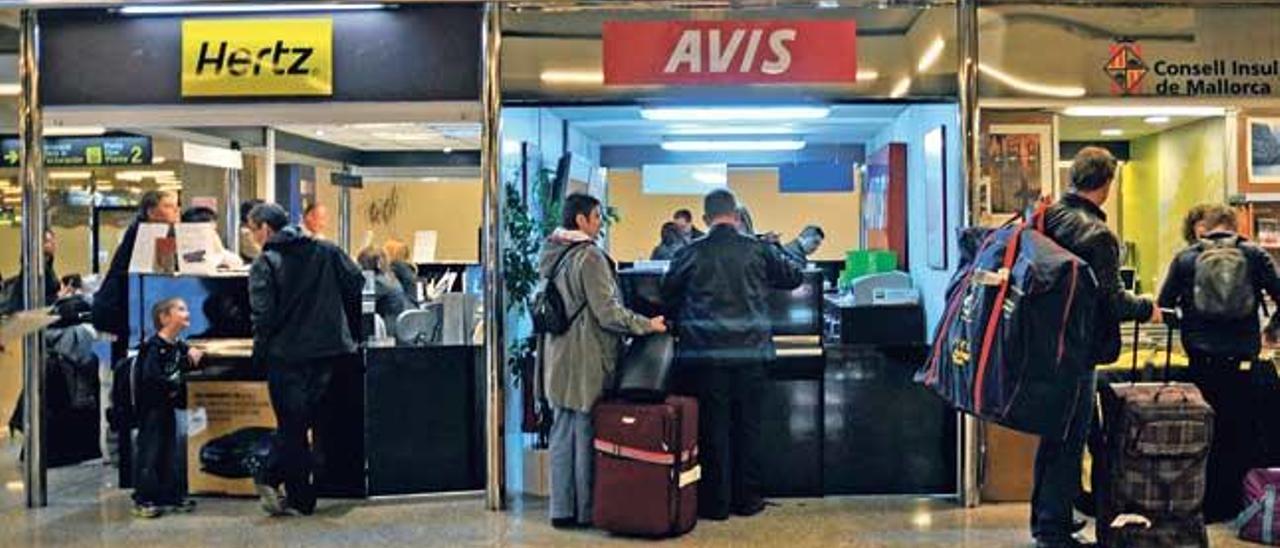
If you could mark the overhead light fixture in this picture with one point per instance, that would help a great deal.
(828, 4)
(72, 131)
(690, 129)
(733, 146)
(10, 89)
(901, 88)
(730, 114)
(1156, 120)
(931, 54)
(1141, 111)
(1112, 132)
(135, 176)
(70, 175)
(319, 133)
(448, 150)
(246, 8)
(572, 77)
(158, 159)
(429, 179)
(1031, 87)
(868, 75)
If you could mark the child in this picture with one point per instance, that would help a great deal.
(158, 394)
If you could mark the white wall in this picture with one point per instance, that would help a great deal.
(910, 128)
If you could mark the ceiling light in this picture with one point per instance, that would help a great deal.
(931, 54)
(572, 77)
(10, 89)
(63, 131)
(245, 8)
(429, 179)
(448, 150)
(1156, 120)
(319, 133)
(901, 88)
(1112, 132)
(828, 3)
(729, 114)
(1136, 111)
(868, 75)
(732, 146)
(1031, 87)
(403, 136)
(143, 174)
(690, 129)
(158, 159)
(70, 175)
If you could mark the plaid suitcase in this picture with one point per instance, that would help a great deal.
(646, 467)
(1152, 484)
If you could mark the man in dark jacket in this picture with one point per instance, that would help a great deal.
(304, 296)
(716, 290)
(1217, 344)
(1077, 223)
(111, 302)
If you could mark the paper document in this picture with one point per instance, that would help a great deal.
(199, 248)
(19, 324)
(424, 246)
(144, 247)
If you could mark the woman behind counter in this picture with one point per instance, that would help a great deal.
(404, 271)
(391, 299)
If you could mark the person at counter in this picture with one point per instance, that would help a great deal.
(683, 219)
(199, 214)
(806, 243)
(404, 271)
(11, 292)
(315, 220)
(1077, 223)
(672, 241)
(390, 297)
(111, 302)
(716, 292)
(304, 299)
(579, 362)
(248, 247)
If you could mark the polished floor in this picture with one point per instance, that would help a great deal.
(85, 510)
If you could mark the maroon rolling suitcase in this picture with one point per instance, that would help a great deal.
(646, 458)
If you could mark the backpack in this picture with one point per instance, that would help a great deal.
(1015, 336)
(122, 415)
(1223, 285)
(548, 310)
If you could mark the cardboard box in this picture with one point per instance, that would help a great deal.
(229, 428)
(537, 472)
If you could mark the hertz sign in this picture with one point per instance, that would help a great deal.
(257, 57)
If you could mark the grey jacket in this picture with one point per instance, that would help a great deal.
(578, 364)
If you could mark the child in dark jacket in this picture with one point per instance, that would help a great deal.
(158, 394)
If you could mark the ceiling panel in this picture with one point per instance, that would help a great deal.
(394, 136)
(624, 126)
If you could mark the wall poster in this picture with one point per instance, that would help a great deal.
(1264, 150)
(1017, 167)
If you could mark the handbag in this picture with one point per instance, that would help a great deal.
(644, 371)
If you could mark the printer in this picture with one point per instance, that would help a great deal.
(877, 309)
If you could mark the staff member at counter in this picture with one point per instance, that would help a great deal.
(111, 302)
(304, 296)
(716, 290)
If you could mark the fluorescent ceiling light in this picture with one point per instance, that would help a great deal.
(572, 77)
(10, 89)
(140, 175)
(158, 159)
(901, 88)
(732, 146)
(691, 129)
(828, 3)
(1112, 132)
(1031, 87)
(931, 54)
(868, 75)
(1156, 120)
(70, 175)
(63, 131)
(245, 8)
(729, 114)
(1141, 111)
(399, 136)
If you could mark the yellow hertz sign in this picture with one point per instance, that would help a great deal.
(257, 57)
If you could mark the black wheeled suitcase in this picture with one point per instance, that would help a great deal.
(1150, 475)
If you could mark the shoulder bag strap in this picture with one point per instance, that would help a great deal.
(555, 272)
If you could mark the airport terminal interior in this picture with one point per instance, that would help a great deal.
(435, 143)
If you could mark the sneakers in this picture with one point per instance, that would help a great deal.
(272, 500)
(187, 506)
(147, 511)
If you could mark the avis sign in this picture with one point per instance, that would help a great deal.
(730, 52)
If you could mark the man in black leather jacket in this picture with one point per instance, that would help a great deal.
(716, 290)
(1077, 223)
(304, 296)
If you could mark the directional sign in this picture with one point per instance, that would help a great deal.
(107, 150)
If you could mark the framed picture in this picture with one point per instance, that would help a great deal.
(1264, 150)
(1017, 163)
(935, 184)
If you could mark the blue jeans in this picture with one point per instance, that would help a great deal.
(572, 465)
(1058, 469)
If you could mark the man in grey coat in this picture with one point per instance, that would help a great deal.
(579, 363)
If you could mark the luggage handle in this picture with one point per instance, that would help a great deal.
(1168, 350)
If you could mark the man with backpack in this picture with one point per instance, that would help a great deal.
(1078, 224)
(580, 312)
(1216, 284)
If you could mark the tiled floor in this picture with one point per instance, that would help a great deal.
(85, 510)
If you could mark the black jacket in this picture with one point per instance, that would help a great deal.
(158, 374)
(407, 275)
(304, 296)
(1200, 335)
(390, 300)
(716, 291)
(1080, 226)
(111, 302)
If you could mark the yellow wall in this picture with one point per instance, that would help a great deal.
(451, 207)
(642, 214)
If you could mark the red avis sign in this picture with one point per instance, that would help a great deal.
(730, 52)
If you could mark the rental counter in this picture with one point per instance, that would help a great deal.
(398, 420)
